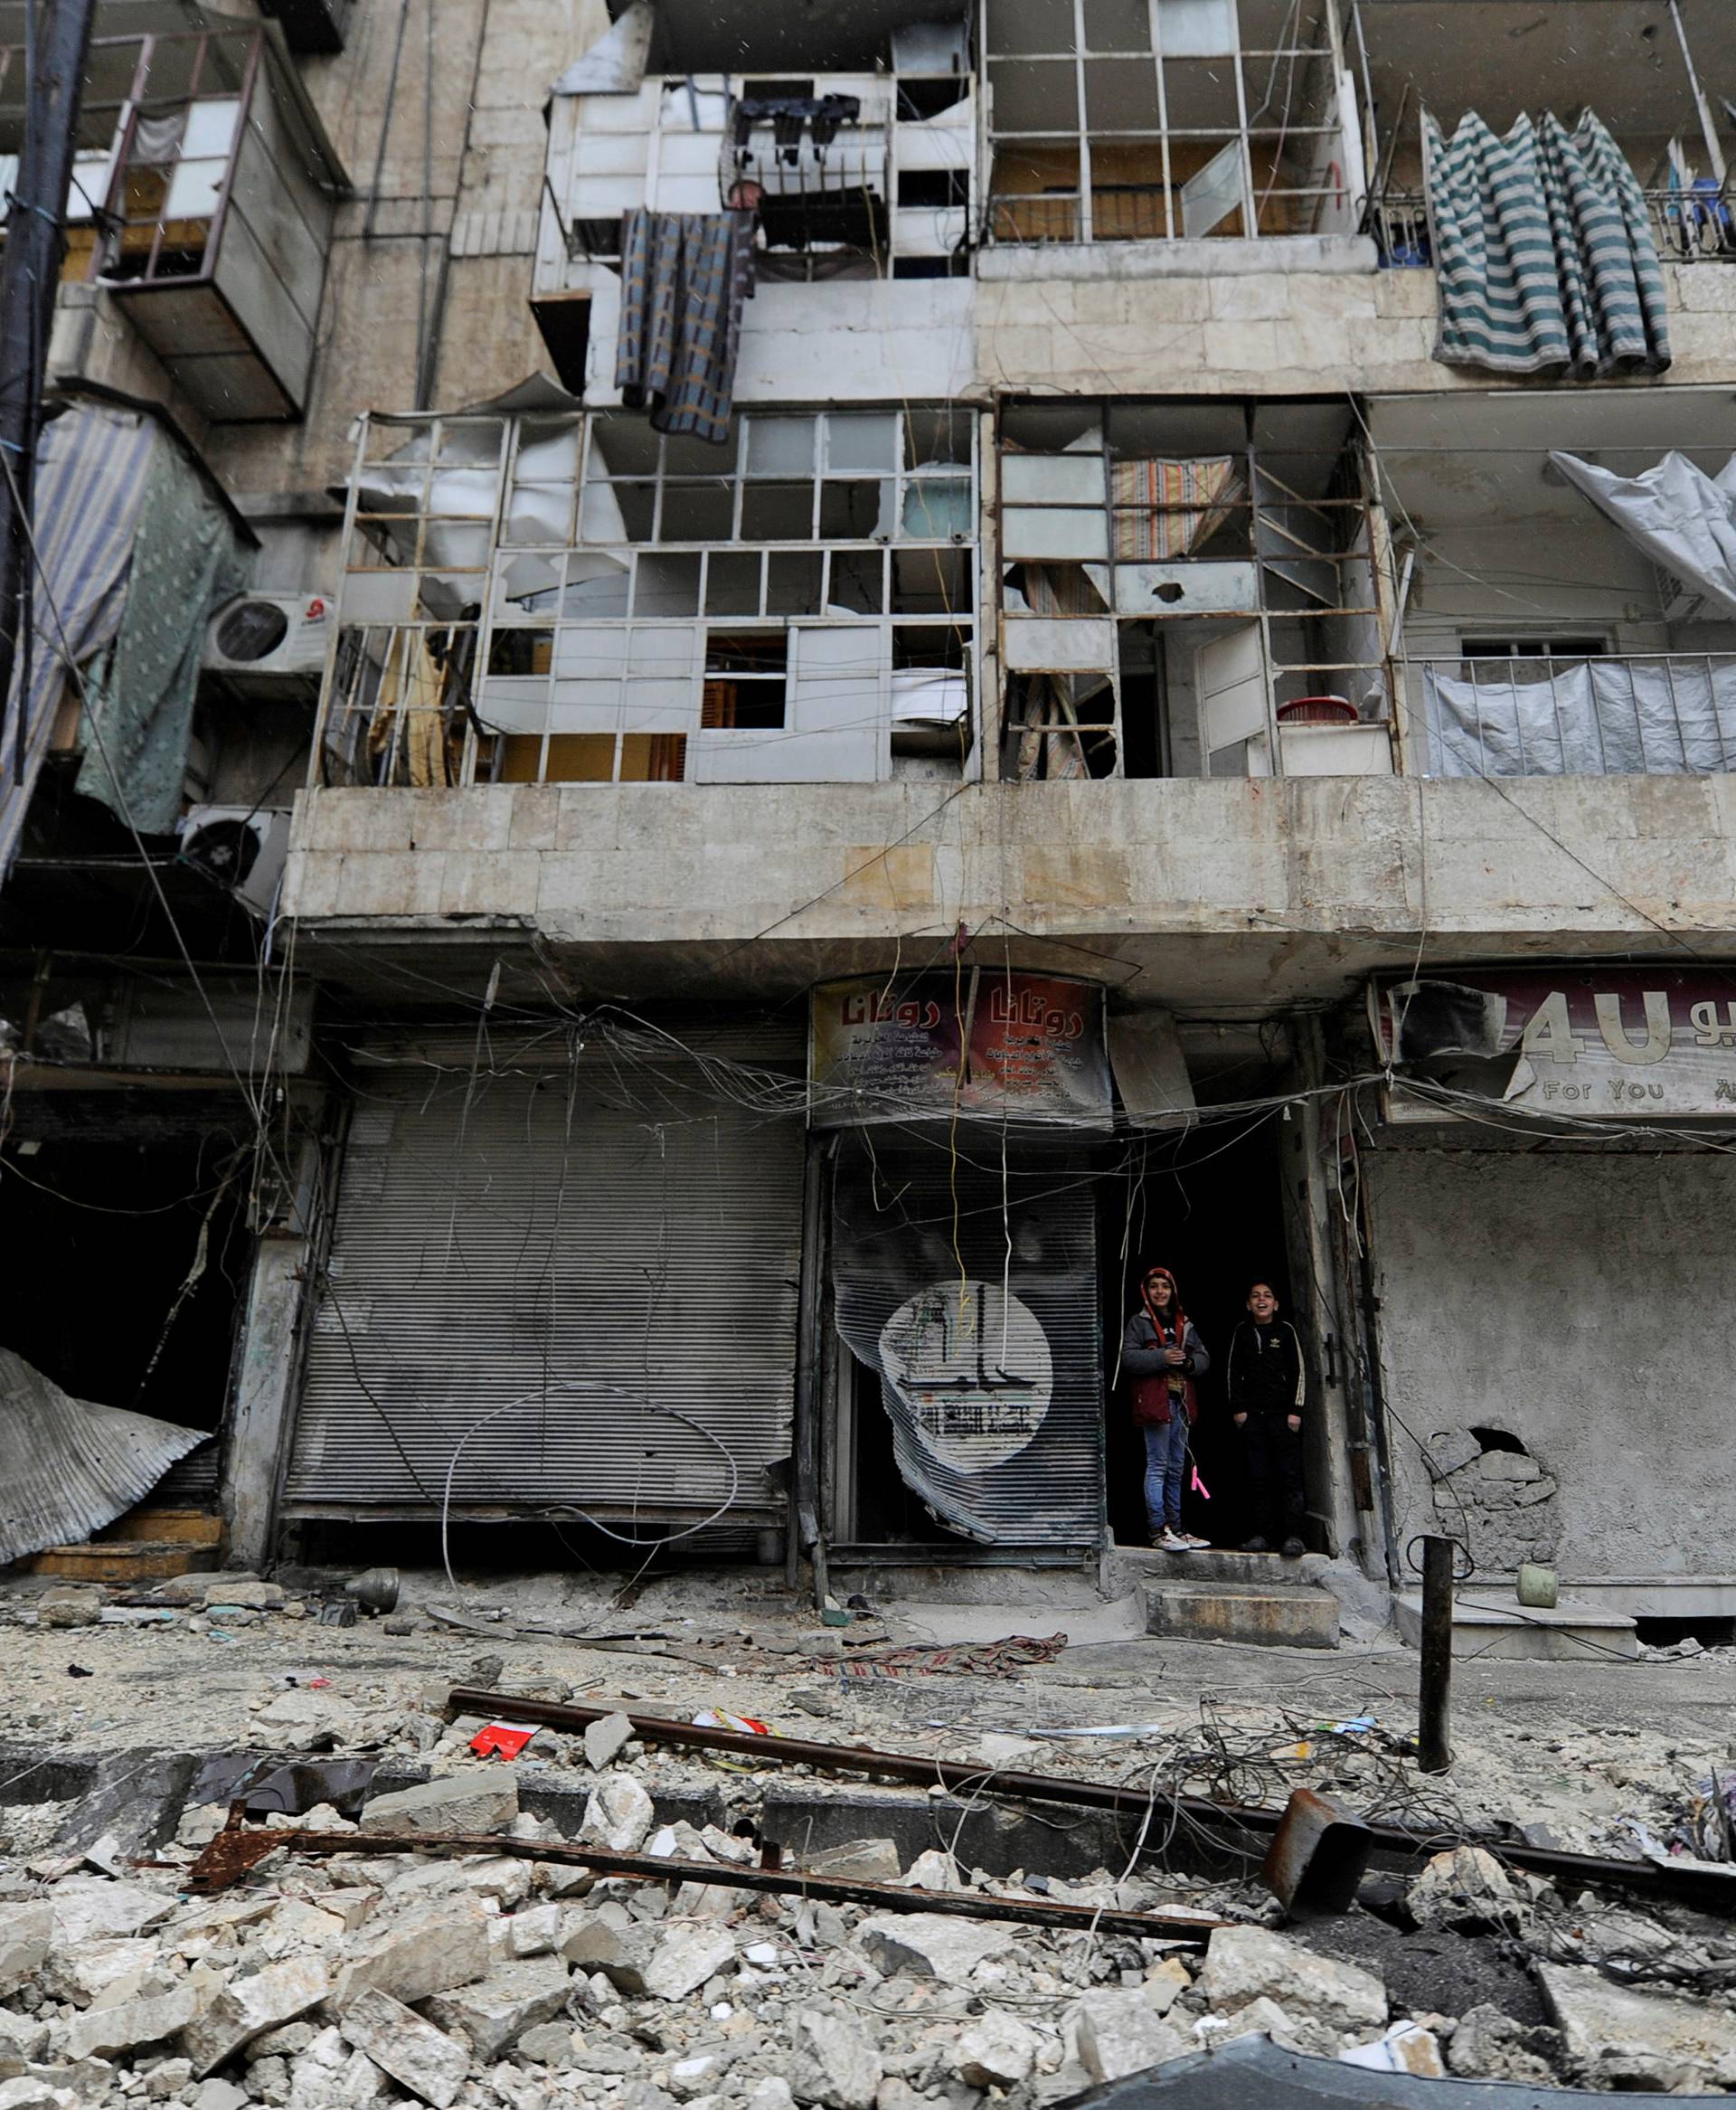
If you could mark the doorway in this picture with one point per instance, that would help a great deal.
(1209, 1204)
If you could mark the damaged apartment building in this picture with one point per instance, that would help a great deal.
(732, 703)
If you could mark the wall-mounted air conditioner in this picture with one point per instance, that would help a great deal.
(241, 847)
(270, 644)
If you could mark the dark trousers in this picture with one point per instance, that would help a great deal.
(1271, 1457)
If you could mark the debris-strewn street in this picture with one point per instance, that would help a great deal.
(141, 1965)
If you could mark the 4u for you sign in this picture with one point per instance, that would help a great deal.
(1650, 1042)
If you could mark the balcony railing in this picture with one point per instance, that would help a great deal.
(1697, 225)
(1664, 714)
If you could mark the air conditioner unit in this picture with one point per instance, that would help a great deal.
(270, 644)
(241, 847)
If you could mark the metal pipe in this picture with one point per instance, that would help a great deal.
(1707, 1888)
(1434, 1748)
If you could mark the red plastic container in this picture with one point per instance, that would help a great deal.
(1317, 711)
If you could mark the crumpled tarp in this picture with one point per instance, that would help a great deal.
(1543, 250)
(188, 559)
(93, 464)
(69, 1466)
(1681, 517)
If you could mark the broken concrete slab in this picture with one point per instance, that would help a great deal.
(687, 1958)
(90, 1908)
(622, 1952)
(514, 1997)
(1466, 1890)
(997, 2052)
(472, 1801)
(620, 1815)
(26, 1931)
(418, 1954)
(1617, 2038)
(101, 2032)
(70, 1606)
(858, 1860)
(1241, 1963)
(249, 2005)
(832, 2062)
(606, 1739)
(413, 2052)
(925, 1946)
(1118, 2031)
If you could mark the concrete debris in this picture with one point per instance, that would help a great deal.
(25, 1931)
(833, 2062)
(859, 1860)
(1332, 1999)
(997, 2052)
(480, 1800)
(496, 2011)
(418, 1954)
(1486, 2045)
(620, 1815)
(605, 1740)
(687, 1958)
(1468, 1890)
(413, 2052)
(1617, 2038)
(90, 1908)
(1406, 2048)
(925, 1946)
(249, 2005)
(1118, 2031)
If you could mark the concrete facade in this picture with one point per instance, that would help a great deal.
(1184, 877)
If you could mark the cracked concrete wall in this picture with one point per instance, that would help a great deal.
(1580, 1303)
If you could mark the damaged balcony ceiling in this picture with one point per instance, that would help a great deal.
(1502, 57)
(1463, 460)
(736, 36)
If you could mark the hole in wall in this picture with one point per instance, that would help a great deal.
(1711, 1633)
(1499, 1440)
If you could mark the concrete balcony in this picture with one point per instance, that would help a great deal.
(1251, 893)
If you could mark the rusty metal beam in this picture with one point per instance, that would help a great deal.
(230, 1855)
(1711, 1889)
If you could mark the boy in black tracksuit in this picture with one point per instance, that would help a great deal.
(1267, 1382)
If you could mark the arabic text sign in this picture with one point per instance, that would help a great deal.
(983, 1043)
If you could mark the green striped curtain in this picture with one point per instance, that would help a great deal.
(1545, 259)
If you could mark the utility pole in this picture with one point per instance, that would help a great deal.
(59, 35)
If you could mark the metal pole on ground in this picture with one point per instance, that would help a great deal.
(1434, 1753)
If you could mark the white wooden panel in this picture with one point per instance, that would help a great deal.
(609, 154)
(1045, 644)
(1335, 750)
(1230, 676)
(511, 703)
(1060, 531)
(1052, 478)
(1204, 589)
(835, 721)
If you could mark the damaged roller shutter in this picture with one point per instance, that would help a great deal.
(973, 1295)
(569, 1281)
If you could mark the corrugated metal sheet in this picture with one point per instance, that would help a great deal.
(974, 1296)
(598, 1241)
(69, 1466)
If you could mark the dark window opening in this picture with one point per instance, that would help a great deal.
(565, 326)
(744, 685)
(1500, 1440)
(955, 265)
(933, 186)
(920, 100)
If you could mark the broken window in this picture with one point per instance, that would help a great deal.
(1126, 120)
(1187, 587)
(797, 604)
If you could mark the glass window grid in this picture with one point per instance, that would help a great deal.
(401, 543)
(1265, 470)
(1050, 216)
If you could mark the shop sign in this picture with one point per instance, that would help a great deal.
(982, 1042)
(1644, 1043)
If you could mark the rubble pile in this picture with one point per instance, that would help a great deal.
(336, 1978)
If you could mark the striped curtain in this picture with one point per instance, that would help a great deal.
(1545, 258)
(1167, 509)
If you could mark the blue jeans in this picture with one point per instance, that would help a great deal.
(1165, 1471)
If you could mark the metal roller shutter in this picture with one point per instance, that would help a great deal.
(601, 1255)
(973, 1294)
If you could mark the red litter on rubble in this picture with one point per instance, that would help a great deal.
(503, 1739)
(714, 1718)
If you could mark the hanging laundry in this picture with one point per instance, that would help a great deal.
(684, 279)
(1544, 252)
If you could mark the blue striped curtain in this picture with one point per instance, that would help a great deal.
(1544, 254)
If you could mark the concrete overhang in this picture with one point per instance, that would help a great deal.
(1213, 898)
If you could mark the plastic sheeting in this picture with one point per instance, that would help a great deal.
(1666, 718)
(1681, 517)
(188, 559)
(615, 64)
(69, 1466)
(974, 1302)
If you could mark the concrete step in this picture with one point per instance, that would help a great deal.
(1131, 1565)
(1294, 1616)
(1574, 1632)
(1032, 1592)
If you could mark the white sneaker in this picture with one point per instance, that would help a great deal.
(1195, 1544)
(1170, 1541)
